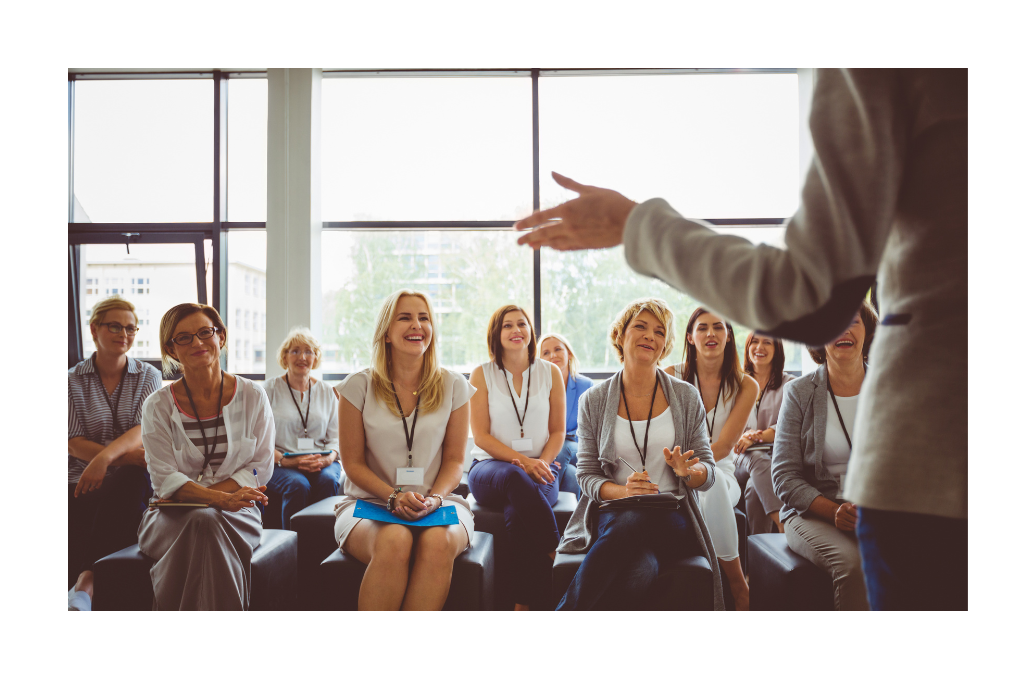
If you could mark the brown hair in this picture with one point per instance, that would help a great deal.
(172, 318)
(776, 365)
(653, 305)
(730, 373)
(869, 318)
(496, 326)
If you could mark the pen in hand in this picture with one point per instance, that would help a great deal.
(628, 465)
(256, 475)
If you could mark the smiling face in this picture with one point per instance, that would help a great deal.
(110, 343)
(200, 353)
(552, 349)
(410, 330)
(849, 346)
(709, 335)
(514, 332)
(644, 339)
(300, 358)
(760, 350)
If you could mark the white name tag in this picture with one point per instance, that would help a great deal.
(409, 476)
(305, 444)
(521, 445)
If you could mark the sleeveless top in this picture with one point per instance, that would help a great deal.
(503, 422)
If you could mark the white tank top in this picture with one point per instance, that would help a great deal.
(503, 422)
(717, 417)
(661, 435)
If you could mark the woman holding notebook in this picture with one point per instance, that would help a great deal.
(208, 439)
(645, 420)
(406, 420)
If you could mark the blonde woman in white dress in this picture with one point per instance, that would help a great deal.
(405, 412)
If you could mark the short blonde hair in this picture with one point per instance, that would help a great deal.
(299, 336)
(658, 308)
(432, 391)
(573, 362)
(113, 303)
(171, 319)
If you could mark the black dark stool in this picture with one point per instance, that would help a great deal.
(785, 581)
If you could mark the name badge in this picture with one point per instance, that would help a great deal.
(409, 476)
(521, 445)
(305, 444)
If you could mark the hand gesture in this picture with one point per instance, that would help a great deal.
(93, 475)
(639, 483)
(246, 496)
(680, 464)
(596, 219)
(845, 517)
(412, 506)
(536, 468)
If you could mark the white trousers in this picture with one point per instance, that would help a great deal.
(717, 506)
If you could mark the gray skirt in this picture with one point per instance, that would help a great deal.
(203, 557)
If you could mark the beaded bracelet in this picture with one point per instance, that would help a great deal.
(441, 500)
(392, 498)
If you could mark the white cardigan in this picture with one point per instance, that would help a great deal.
(172, 460)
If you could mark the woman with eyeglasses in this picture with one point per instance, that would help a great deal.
(305, 411)
(209, 438)
(108, 483)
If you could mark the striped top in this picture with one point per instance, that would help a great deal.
(193, 428)
(89, 414)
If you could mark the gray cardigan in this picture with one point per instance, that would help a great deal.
(598, 408)
(799, 474)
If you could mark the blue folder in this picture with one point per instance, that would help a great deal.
(443, 516)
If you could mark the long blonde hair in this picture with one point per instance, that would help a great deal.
(573, 362)
(431, 391)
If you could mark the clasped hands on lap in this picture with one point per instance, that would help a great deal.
(413, 506)
(537, 468)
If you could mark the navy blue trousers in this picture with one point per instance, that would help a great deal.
(529, 518)
(622, 566)
(297, 490)
(913, 562)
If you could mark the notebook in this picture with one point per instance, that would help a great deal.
(443, 516)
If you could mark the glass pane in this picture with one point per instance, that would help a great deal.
(143, 150)
(714, 146)
(246, 150)
(154, 278)
(427, 149)
(468, 275)
(246, 301)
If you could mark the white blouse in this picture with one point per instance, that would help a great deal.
(661, 435)
(503, 421)
(173, 460)
(836, 448)
(385, 442)
(322, 414)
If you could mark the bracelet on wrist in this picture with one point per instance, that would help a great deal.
(441, 500)
(389, 504)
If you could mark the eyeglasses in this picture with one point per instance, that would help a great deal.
(185, 338)
(115, 328)
(307, 353)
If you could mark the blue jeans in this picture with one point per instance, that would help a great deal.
(297, 490)
(622, 566)
(913, 562)
(567, 458)
(529, 518)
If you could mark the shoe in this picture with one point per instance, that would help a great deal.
(78, 601)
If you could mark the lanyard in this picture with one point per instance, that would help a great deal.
(408, 433)
(113, 400)
(647, 428)
(715, 408)
(215, 434)
(309, 402)
(510, 390)
(839, 412)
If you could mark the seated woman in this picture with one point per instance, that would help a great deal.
(558, 350)
(764, 362)
(108, 484)
(810, 456)
(642, 418)
(305, 411)
(710, 364)
(209, 439)
(405, 416)
(518, 423)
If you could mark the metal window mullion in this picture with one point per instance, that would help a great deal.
(537, 306)
(75, 334)
(199, 269)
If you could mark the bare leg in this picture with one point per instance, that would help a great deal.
(385, 548)
(738, 584)
(435, 549)
(85, 583)
(776, 517)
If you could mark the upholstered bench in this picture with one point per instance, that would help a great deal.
(784, 581)
(491, 520)
(686, 585)
(122, 581)
(471, 588)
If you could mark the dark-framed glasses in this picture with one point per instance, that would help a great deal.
(115, 328)
(185, 338)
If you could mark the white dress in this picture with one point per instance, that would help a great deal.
(385, 447)
(717, 503)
